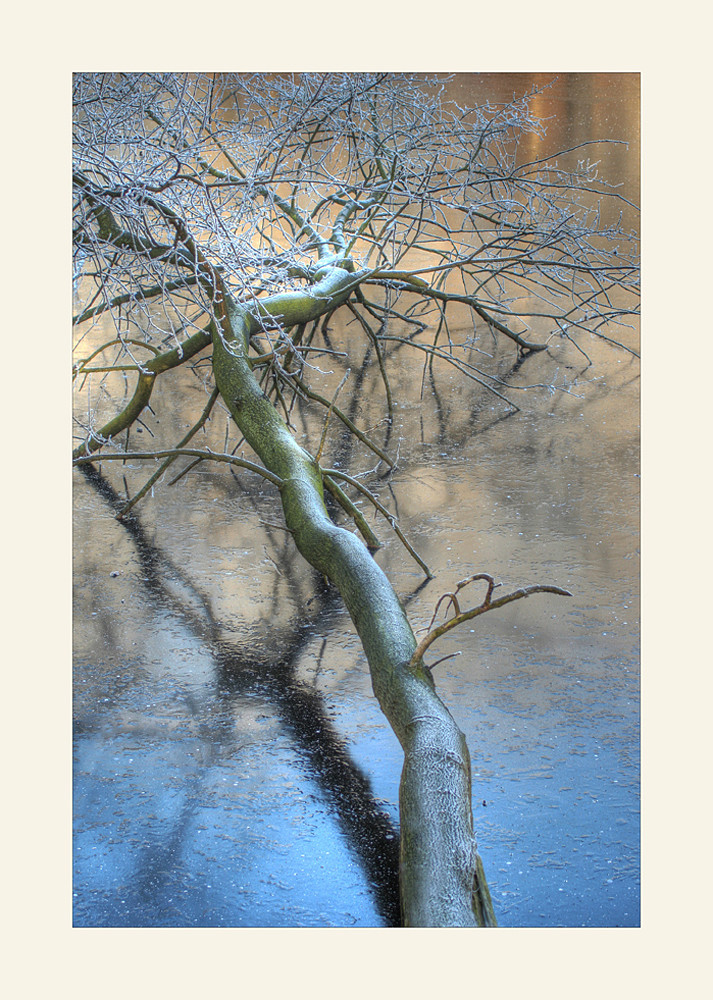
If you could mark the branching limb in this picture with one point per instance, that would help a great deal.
(140, 294)
(462, 366)
(204, 455)
(364, 438)
(80, 367)
(421, 287)
(332, 473)
(464, 616)
(144, 387)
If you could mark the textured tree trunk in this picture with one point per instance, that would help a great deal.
(441, 879)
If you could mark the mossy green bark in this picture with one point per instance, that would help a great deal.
(438, 848)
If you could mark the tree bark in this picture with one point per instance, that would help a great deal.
(441, 880)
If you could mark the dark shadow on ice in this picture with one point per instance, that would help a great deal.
(368, 831)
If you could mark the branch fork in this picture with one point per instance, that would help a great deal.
(459, 617)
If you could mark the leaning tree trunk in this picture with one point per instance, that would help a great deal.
(441, 878)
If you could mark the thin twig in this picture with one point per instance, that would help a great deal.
(372, 542)
(328, 414)
(382, 510)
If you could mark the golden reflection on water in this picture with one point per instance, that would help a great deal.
(577, 107)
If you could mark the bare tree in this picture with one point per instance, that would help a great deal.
(221, 221)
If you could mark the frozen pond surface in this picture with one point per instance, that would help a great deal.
(229, 751)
